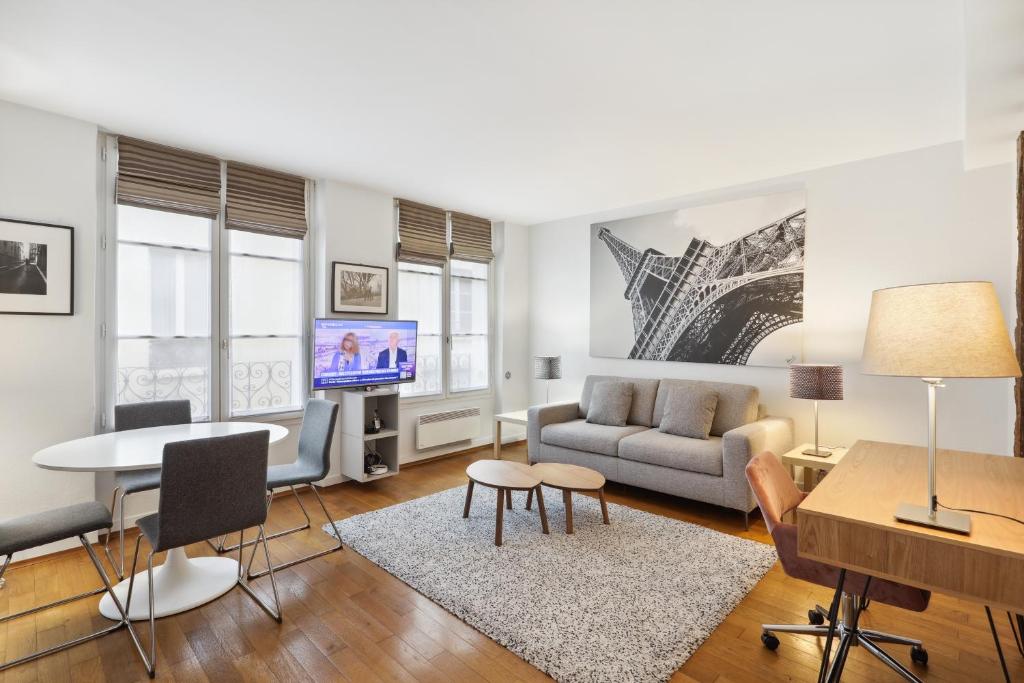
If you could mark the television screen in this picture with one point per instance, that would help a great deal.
(359, 353)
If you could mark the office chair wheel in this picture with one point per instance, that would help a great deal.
(815, 618)
(769, 640)
(919, 655)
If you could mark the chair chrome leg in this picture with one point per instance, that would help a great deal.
(221, 548)
(889, 638)
(118, 568)
(149, 660)
(833, 618)
(152, 615)
(56, 603)
(75, 641)
(306, 558)
(797, 629)
(887, 659)
(243, 582)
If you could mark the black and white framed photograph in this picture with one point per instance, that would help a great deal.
(716, 283)
(358, 288)
(37, 268)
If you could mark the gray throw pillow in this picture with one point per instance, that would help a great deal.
(689, 412)
(609, 403)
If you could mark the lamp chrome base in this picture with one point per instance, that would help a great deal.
(819, 452)
(944, 519)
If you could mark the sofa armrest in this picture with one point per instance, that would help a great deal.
(539, 417)
(739, 445)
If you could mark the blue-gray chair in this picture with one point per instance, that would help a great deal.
(312, 464)
(32, 531)
(139, 416)
(208, 487)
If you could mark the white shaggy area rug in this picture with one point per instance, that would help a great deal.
(626, 602)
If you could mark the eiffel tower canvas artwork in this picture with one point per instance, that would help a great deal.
(720, 283)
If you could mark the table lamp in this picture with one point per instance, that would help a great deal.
(934, 331)
(818, 383)
(547, 368)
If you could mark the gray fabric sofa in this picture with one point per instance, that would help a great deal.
(639, 454)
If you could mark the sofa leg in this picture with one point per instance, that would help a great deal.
(746, 521)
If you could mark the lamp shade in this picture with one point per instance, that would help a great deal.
(547, 367)
(945, 329)
(817, 382)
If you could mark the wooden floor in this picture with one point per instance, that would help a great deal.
(347, 619)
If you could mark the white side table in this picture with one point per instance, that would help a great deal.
(516, 417)
(811, 463)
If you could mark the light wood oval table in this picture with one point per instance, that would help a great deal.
(569, 478)
(505, 476)
(180, 583)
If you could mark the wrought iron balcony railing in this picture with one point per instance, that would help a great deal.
(256, 386)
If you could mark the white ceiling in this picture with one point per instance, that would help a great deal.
(523, 110)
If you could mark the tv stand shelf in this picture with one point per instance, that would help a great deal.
(357, 406)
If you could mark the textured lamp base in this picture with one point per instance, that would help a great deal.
(820, 452)
(944, 519)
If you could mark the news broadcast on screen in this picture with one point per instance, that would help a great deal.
(361, 353)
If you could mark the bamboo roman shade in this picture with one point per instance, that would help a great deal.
(422, 232)
(158, 177)
(471, 238)
(265, 202)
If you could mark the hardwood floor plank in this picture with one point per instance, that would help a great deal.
(346, 619)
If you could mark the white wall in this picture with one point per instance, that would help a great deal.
(357, 226)
(900, 219)
(512, 274)
(47, 174)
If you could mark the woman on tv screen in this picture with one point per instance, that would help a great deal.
(347, 357)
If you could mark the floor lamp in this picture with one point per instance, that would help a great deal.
(547, 368)
(933, 331)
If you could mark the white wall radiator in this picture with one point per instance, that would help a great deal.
(438, 429)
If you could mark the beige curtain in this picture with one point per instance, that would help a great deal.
(422, 232)
(265, 202)
(158, 177)
(471, 238)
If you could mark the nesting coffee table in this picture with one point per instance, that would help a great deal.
(569, 478)
(505, 476)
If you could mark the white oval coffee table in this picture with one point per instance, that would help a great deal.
(181, 582)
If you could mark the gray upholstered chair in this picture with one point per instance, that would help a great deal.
(139, 416)
(208, 487)
(32, 531)
(312, 465)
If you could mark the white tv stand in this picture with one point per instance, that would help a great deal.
(357, 406)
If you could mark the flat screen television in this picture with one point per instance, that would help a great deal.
(363, 353)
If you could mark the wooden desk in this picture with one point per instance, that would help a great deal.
(847, 521)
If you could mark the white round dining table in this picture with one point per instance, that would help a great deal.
(181, 582)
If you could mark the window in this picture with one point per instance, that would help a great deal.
(466, 356)
(420, 297)
(470, 362)
(205, 313)
(164, 343)
(266, 323)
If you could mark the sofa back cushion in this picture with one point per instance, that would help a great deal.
(641, 411)
(689, 412)
(737, 403)
(610, 402)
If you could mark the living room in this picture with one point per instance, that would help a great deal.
(511, 342)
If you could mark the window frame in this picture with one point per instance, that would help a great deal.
(220, 330)
(447, 393)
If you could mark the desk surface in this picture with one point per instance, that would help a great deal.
(848, 521)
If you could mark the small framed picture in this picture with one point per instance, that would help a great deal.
(37, 268)
(357, 288)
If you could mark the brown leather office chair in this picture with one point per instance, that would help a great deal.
(778, 497)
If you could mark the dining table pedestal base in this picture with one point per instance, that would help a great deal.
(181, 582)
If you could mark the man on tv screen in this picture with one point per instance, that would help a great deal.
(393, 355)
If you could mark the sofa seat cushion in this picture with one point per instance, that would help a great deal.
(678, 452)
(581, 435)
